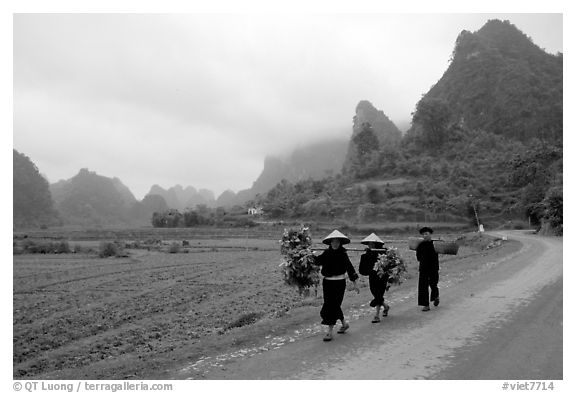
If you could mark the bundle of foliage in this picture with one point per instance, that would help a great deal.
(299, 268)
(389, 262)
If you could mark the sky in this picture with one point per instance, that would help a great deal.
(200, 99)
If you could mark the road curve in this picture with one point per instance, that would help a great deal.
(504, 322)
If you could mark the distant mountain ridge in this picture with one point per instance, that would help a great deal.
(89, 198)
(181, 198)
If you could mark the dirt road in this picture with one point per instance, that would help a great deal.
(501, 322)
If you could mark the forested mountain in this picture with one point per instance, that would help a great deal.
(371, 130)
(32, 202)
(89, 198)
(486, 137)
(501, 82)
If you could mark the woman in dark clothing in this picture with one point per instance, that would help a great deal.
(428, 270)
(335, 264)
(378, 284)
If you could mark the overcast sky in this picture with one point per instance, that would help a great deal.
(200, 100)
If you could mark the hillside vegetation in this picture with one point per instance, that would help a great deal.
(485, 141)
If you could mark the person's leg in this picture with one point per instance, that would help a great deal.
(434, 292)
(423, 291)
(386, 308)
(376, 318)
(328, 313)
(378, 300)
(339, 291)
(384, 285)
(329, 332)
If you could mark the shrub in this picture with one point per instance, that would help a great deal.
(62, 247)
(16, 249)
(111, 249)
(553, 209)
(174, 248)
(32, 247)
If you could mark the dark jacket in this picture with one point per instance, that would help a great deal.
(367, 261)
(427, 256)
(336, 262)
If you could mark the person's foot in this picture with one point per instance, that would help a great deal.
(376, 319)
(427, 308)
(343, 328)
(436, 302)
(327, 337)
(386, 308)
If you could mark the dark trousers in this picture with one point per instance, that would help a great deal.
(333, 291)
(425, 280)
(377, 288)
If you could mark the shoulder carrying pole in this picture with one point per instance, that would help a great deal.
(352, 249)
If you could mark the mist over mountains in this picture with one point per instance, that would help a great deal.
(488, 134)
(91, 199)
(313, 161)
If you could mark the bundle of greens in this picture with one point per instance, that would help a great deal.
(298, 268)
(389, 262)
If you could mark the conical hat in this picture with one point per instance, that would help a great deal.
(371, 238)
(336, 235)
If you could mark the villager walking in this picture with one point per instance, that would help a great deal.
(335, 265)
(378, 284)
(428, 270)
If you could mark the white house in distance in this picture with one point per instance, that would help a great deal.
(255, 211)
